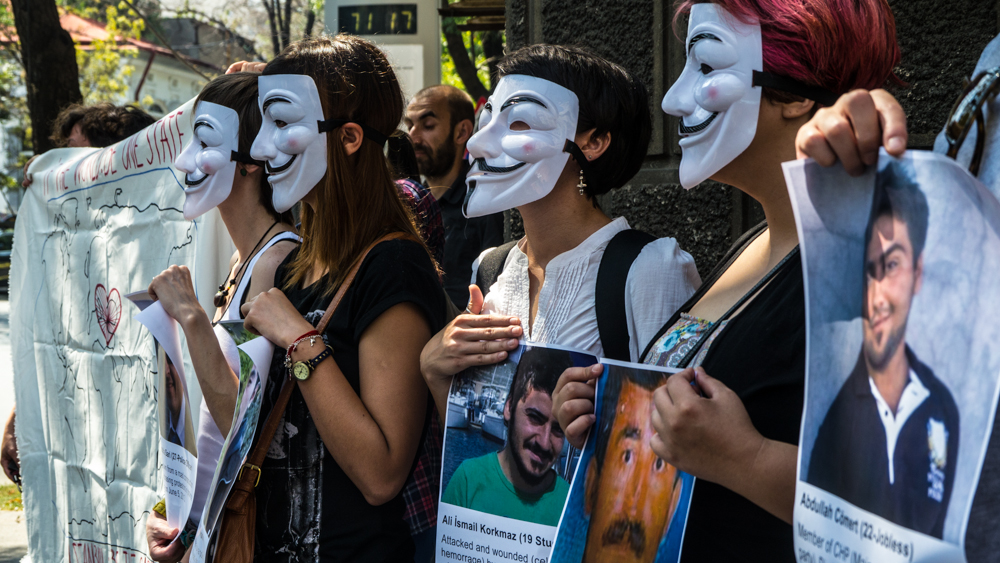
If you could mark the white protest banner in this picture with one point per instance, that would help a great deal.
(500, 422)
(902, 284)
(96, 223)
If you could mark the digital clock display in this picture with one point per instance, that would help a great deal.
(378, 19)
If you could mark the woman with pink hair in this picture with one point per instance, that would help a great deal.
(756, 72)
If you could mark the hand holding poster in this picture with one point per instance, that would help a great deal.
(903, 306)
(506, 466)
(177, 439)
(617, 501)
(626, 503)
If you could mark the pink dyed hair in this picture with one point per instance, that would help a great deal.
(837, 44)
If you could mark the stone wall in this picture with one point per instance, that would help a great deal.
(940, 39)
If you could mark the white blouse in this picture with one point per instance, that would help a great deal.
(662, 278)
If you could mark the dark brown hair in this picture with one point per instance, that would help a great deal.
(539, 369)
(356, 201)
(238, 91)
(460, 104)
(103, 124)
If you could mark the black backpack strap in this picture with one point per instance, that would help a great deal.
(609, 295)
(491, 265)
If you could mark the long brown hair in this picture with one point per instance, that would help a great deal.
(356, 201)
(238, 91)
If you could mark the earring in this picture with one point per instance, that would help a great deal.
(582, 183)
(243, 171)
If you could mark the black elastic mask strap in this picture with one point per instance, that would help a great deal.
(577, 154)
(370, 134)
(792, 86)
(244, 158)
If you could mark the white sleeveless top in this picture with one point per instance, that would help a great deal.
(233, 311)
(210, 439)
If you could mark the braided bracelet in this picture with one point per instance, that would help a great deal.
(311, 336)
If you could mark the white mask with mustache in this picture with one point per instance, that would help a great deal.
(290, 142)
(519, 151)
(715, 97)
(209, 160)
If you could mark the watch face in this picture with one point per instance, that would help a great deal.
(301, 371)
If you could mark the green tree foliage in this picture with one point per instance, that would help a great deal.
(473, 44)
(104, 72)
(12, 105)
(14, 116)
(469, 58)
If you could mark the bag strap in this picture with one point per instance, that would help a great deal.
(267, 433)
(491, 265)
(741, 244)
(609, 295)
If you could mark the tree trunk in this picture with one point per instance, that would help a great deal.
(51, 75)
(465, 68)
(493, 51)
(286, 24)
(310, 22)
(275, 42)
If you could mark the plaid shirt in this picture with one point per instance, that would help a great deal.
(428, 215)
(421, 491)
(423, 485)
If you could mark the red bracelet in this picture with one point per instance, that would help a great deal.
(313, 334)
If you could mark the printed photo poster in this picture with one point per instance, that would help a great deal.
(177, 433)
(500, 422)
(253, 351)
(902, 285)
(625, 503)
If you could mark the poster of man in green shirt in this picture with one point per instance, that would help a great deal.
(527, 478)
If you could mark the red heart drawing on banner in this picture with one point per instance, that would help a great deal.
(108, 307)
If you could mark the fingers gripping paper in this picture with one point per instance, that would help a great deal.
(177, 440)
(94, 224)
(902, 367)
(615, 500)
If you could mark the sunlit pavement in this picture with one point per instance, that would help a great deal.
(6, 370)
(13, 537)
(13, 533)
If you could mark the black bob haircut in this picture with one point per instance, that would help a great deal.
(898, 195)
(611, 101)
(539, 369)
(617, 376)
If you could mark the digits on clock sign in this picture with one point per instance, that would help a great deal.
(378, 19)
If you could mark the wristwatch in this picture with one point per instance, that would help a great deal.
(302, 370)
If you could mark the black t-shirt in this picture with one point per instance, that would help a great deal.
(464, 239)
(761, 355)
(308, 509)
